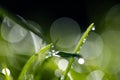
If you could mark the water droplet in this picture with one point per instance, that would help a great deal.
(6, 71)
(55, 54)
(84, 40)
(81, 61)
(53, 51)
(93, 28)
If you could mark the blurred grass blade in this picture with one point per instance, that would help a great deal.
(19, 20)
(2, 76)
(77, 49)
(84, 36)
(32, 59)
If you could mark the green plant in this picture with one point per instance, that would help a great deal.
(42, 63)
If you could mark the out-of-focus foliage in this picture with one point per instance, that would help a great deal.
(28, 57)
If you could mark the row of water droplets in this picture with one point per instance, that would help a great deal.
(62, 63)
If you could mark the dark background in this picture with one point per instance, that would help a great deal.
(45, 12)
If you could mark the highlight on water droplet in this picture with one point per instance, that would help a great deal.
(6, 71)
(93, 29)
(81, 61)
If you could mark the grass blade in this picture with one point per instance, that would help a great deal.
(31, 60)
(77, 49)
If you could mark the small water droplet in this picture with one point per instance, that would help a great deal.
(55, 54)
(84, 40)
(81, 61)
(93, 28)
(49, 55)
(53, 51)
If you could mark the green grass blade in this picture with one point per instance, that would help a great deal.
(77, 49)
(31, 60)
(18, 20)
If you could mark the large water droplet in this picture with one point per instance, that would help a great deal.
(81, 61)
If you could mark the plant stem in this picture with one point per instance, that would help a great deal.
(77, 49)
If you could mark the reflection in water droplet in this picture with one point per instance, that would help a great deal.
(81, 61)
(6, 71)
(95, 75)
(62, 64)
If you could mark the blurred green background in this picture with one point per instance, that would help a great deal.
(101, 50)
